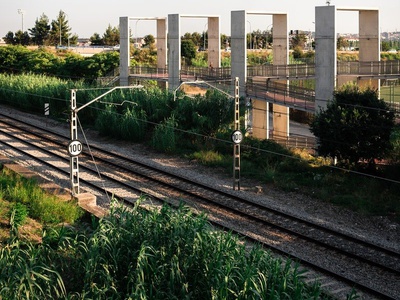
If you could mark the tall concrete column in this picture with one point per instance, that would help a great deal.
(369, 44)
(161, 43)
(174, 51)
(325, 55)
(260, 122)
(214, 42)
(124, 57)
(238, 48)
(280, 57)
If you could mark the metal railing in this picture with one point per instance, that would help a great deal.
(283, 94)
(296, 70)
(148, 72)
(389, 67)
(296, 141)
(206, 73)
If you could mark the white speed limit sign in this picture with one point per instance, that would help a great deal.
(74, 148)
(237, 137)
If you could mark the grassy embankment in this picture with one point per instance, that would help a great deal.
(167, 254)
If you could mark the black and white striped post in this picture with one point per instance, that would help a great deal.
(237, 138)
(75, 146)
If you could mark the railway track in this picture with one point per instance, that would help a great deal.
(347, 261)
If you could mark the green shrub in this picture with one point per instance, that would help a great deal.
(133, 125)
(18, 214)
(164, 136)
(40, 206)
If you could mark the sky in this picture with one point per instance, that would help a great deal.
(87, 17)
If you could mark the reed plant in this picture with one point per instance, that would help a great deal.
(164, 137)
(171, 254)
(139, 254)
(30, 92)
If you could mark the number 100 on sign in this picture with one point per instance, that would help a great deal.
(74, 148)
(237, 137)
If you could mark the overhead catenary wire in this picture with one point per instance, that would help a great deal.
(220, 140)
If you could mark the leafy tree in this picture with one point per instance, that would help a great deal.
(225, 41)
(298, 39)
(385, 46)
(96, 40)
(149, 41)
(297, 52)
(21, 38)
(40, 32)
(197, 38)
(188, 50)
(111, 36)
(342, 43)
(9, 38)
(100, 64)
(355, 126)
(60, 30)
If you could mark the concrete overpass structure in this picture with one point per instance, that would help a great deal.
(325, 49)
(124, 59)
(269, 84)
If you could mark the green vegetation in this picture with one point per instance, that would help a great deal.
(138, 254)
(29, 200)
(390, 94)
(20, 60)
(130, 254)
(189, 128)
(356, 126)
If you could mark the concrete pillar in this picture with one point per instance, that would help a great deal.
(238, 48)
(161, 43)
(174, 51)
(124, 51)
(325, 55)
(214, 42)
(280, 57)
(369, 44)
(260, 113)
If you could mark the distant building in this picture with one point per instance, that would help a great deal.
(82, 42)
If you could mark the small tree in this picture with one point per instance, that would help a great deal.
(111, 36)
(40, 32)
(96, 40)
(60, 30)
(188, 50)
(149, 41)
(9, 38)
(355, 126)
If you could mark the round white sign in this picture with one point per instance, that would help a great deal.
(237, 136)
(74, 148)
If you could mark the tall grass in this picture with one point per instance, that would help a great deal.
(164, 137)
(138, 254)
(170, 254)
(30, 92)
(41, 206)
(26, 273)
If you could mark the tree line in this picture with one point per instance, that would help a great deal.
(57, 33)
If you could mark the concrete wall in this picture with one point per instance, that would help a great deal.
(161, 43)
(214, 42)
(174, 51)
(369, 42)
(238, 48)
(124, 59)
(325, 55)
(280, 117)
